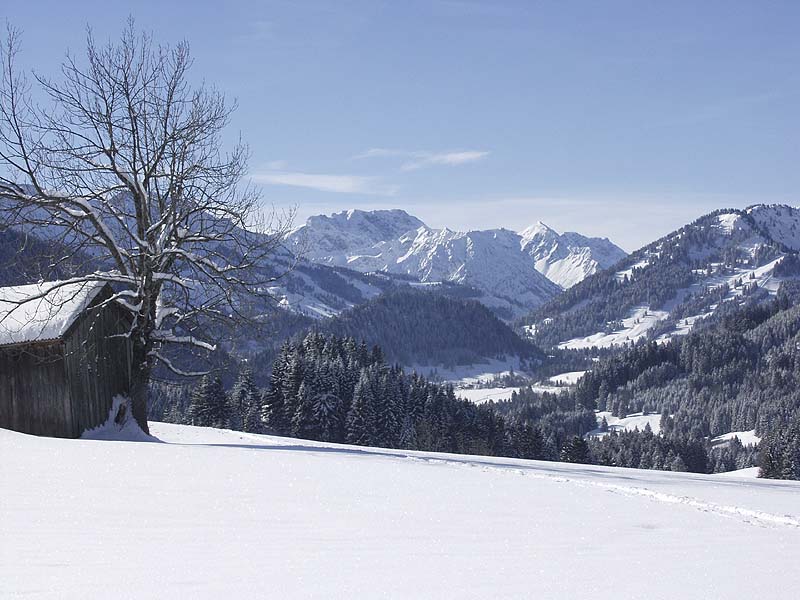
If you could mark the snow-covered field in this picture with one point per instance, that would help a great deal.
(747, 438)
(469, 375)
(568, 378)
(628, 423)
(218, 514)
(553, 385)
(634, 328)
(481, 395)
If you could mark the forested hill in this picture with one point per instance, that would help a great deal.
(416, 327)
(664, 288)
(739, 374)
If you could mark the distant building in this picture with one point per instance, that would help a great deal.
(63, 357)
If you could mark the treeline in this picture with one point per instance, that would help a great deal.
(739, 374)
(555, 415)
(334, 389)
(564, 421)
(670, 450)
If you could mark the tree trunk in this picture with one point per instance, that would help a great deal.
(140, 380)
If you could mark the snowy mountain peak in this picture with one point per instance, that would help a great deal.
(323, 235)
(385, 221)
(779, 221)
(570, 257)
(538, 229)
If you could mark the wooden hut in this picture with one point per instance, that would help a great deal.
(63, 357)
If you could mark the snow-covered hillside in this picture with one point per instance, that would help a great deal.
(568, 258)
(667, 287)
(513, 272)
(213, 514)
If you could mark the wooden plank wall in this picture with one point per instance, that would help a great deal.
(33, 392)
(97, 363)
(63, 387)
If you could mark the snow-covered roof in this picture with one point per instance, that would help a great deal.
(48, 316)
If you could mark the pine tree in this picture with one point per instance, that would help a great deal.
(361, 419)
(791, 453)
(408, 434)
(528, 442)
(304, 424)
(576, 450)
(387, 420)
(326, 416)
(678, 464)
(293, 377)
(209, 405)
(273, 404)
(245, 403)
(780, 453)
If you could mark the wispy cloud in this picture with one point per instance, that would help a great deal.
(341, 184)
(277, 165)
(420, 159)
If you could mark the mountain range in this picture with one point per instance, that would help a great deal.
(563, 290)
(513, 272)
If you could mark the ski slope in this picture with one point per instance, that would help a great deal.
(219, 514)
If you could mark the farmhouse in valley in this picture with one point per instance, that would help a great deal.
(63, 357)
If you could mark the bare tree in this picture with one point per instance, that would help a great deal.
(124, 164)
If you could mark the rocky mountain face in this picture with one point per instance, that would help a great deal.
(568, 258)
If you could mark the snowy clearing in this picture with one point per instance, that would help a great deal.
(469, 375)
(747, 473)
(481, 395)
(629, 423)
(634, 328)
(215, 513)
(553, 385)
(747, 438)
(568, 378)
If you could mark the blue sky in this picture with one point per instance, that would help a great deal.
(616, 118)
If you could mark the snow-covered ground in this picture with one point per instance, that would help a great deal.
(481, 395)
(568, 378)
(747, 438)
(628, 423)
(746, 473)
(213, 514)
(553, 385)
(634, 328)
(471, 375)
